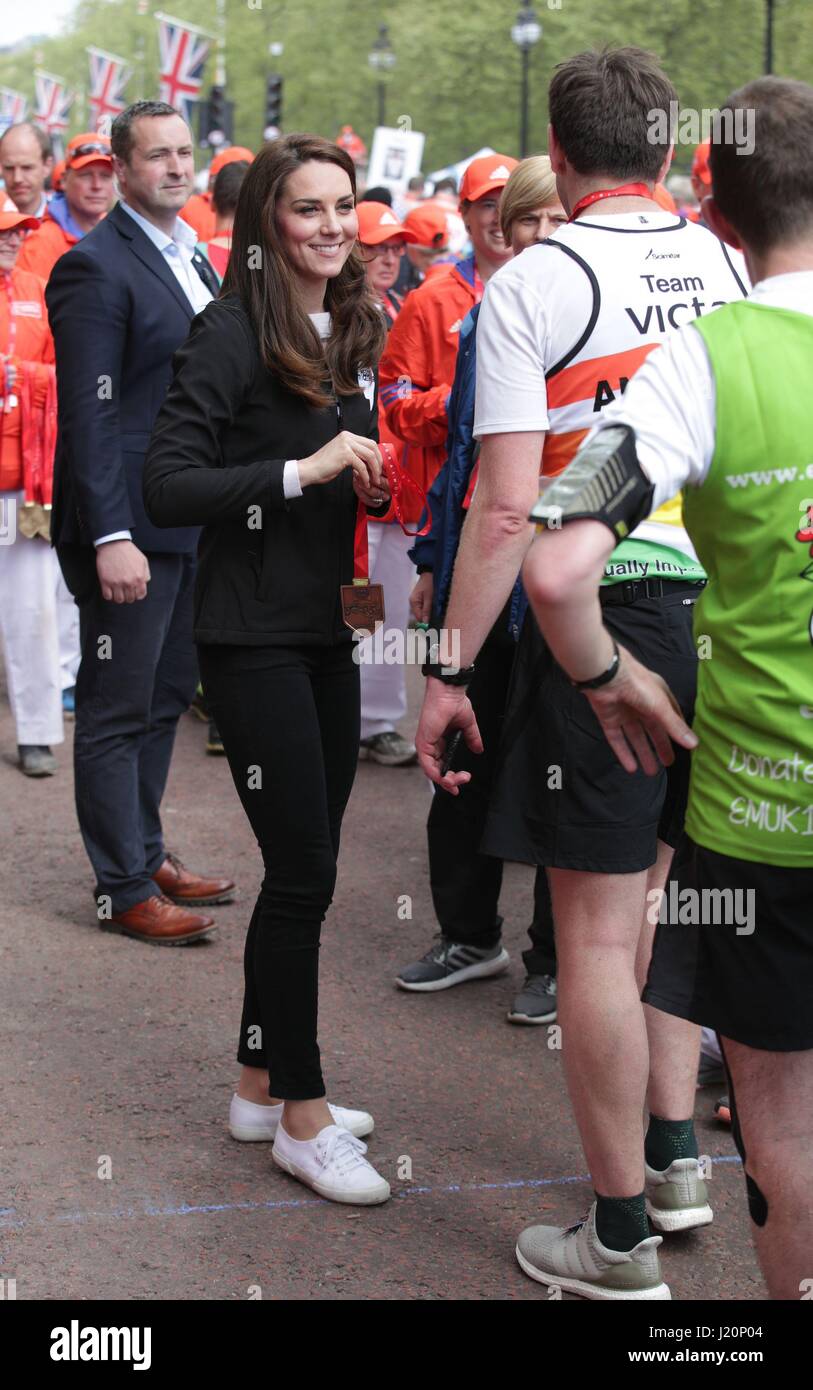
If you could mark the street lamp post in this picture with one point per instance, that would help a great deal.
(526, 31)
(769, 18)
(382, 60)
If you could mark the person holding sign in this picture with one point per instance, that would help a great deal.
(268, 438)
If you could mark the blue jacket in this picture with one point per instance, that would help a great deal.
(437, 550)
(117, 314)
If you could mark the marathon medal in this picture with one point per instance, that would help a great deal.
(362, 605)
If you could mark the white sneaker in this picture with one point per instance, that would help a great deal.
(333, 1164)
(257, 1123)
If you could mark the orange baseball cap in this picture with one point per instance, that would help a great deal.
(426, 225)
(57, 175)
(9, 220)
(700, 163)
(485, 174)
(378, 223)
(90, 148)
(229, 156)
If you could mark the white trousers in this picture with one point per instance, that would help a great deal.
(383, 686)
(31, 619)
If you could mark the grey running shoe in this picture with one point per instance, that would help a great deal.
(574, 1260)
(536, 1001)
(450, 963)
(677, 1199)
(389, 749)
(36, 761)
(710, 1072)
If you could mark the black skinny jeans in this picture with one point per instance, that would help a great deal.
(289, 720)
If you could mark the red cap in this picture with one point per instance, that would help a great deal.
(426, 225)
(700, 163)
(378, 223)
(57, 175)
(10, 219)
(485, 174)
(229, 156)
(90, 148)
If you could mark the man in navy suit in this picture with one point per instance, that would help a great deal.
(120, 303)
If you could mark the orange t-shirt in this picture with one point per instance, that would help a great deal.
(199, 214)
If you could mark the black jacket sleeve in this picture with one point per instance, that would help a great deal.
(88, 311)
(185, 483)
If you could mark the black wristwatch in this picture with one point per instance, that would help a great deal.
(448, 675)
(606, 676)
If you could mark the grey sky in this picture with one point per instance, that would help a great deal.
(34, 17)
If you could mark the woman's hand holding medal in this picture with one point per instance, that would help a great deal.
(348, 450)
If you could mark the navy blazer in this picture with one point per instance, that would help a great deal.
(117, 314)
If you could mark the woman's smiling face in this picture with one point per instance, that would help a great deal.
(317, 220)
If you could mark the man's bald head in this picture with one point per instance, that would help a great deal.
(26, 160)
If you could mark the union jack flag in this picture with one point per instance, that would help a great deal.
(12, 107)
(109, 76)
(184, 50)
(54, 101)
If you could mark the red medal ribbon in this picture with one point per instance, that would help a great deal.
(361, 562)
(400, 483)
(626, 190)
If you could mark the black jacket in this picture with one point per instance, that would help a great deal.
(269, 571)
(117, 314)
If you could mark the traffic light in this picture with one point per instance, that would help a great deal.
(216, 119)
(273, 107)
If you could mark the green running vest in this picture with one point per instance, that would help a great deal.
(751, 522)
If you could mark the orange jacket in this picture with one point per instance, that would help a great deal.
(42, 249)
(417, 368)
(34, 345)
(199, 214)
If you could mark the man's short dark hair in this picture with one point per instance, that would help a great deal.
(41, 136)
(121, 131)
(227, 186)
(377, 195)
(603, 108)
(767, 195)
(447, 185)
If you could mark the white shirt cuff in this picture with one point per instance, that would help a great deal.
(114, 536)
(291, 485)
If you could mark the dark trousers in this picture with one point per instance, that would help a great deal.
(466, 884)
(137, 676)
(289, 720)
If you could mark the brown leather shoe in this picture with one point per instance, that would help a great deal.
(191, 890)
(160, 923)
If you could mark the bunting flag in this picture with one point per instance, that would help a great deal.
(184, 50)
(12, 108)
(109, 75)
(54, 102)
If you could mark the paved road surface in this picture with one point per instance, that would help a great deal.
(112, 1048)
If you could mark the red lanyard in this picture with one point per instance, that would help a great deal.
(361, 561)
(626, 190)
(400, 483)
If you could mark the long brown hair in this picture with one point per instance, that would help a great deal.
(260, 273)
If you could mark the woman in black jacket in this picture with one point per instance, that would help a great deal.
(268, 439)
